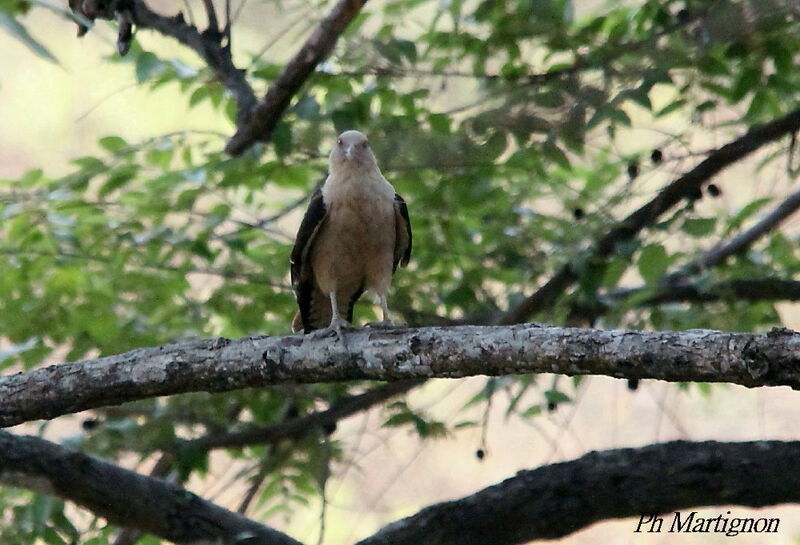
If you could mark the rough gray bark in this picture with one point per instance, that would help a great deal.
(126, 498)
(222, 365)
(556, 500)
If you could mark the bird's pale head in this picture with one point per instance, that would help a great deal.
(352, 152)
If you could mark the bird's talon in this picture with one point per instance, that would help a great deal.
(384, 324)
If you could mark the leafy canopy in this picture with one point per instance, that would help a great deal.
(517, 131)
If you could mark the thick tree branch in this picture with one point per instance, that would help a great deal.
(265, 116)
(124, 497)
(556, 500)
(649, 213)
(545, 503)
(760, 289)
(208, 45)
(129, 536)
(270, 435)
(223, 365)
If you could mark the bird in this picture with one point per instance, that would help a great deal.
(353, 236)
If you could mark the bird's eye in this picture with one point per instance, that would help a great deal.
(339, 141)
(364, 144)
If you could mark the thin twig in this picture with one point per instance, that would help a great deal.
(743, 240)
(213, 25)
(227, 30)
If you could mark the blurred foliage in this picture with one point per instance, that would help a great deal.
(500, 122)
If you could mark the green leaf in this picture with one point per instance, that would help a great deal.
(534, 410)
(618, 116)
(653, 263)
(614, 271)
(89, 163)
(757, 105)
(671, 107)
(199, 95)
(747, 210)
(51, 537)
(549, 99)
(439, 123)
(699, 227)
(746, 82)
(148, 65)
(16, 30)
(307, 108)
(118, 177)
(553, 152)
(113, 144)
(641, 96)
(189, 460)
(408, 49)
(555, 396)
(282, 139)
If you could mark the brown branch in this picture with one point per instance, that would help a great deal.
(302, 426)
(373, 354)
(123, 497)
(556, 500)
(754, 290)
(270, 435)
(266, 114)
(740, 242)
(129, 536)
(764, 289)
(545, 503)
(227, 30)
(645, 216)
(761, 289)
(208, 46)
(213, 25)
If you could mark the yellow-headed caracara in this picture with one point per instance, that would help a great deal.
(354, 235)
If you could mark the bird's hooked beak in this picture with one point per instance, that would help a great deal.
(349, 151)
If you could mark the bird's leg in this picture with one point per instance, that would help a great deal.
(337, 322)
(337, 325)
(386, 322)
(385, 309)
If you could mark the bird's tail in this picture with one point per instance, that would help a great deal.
(319, 313)
(297, 323)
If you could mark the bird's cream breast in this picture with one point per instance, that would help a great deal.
(356, 244)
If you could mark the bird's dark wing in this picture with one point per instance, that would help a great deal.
(402, 226)
(302, 274)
